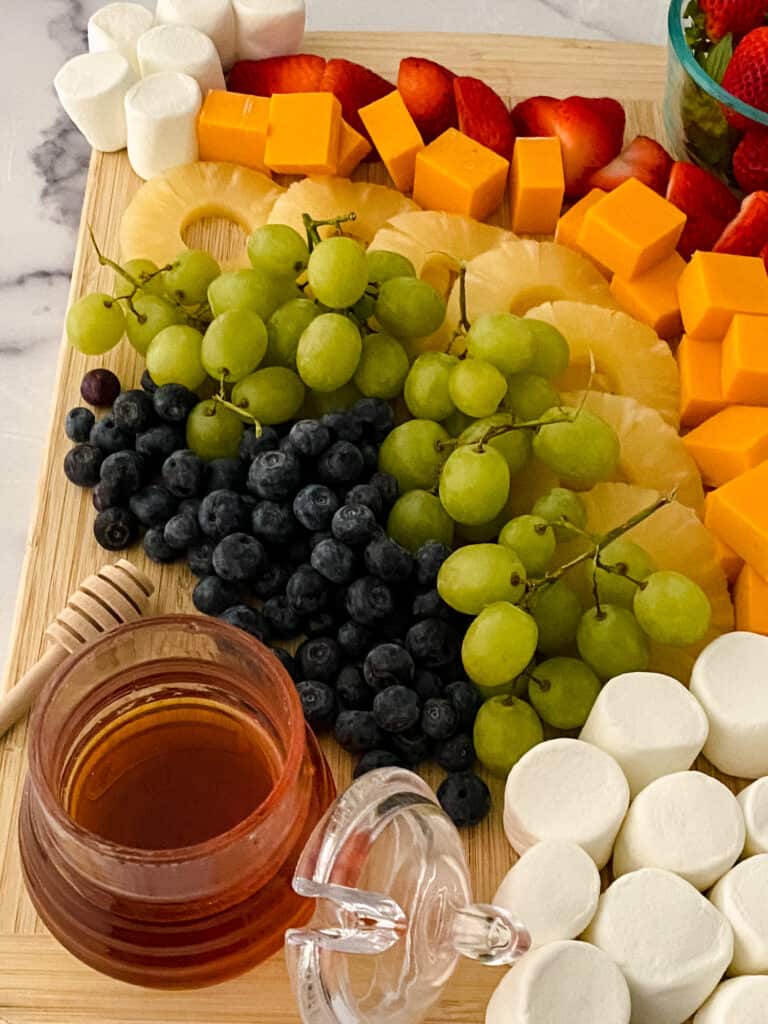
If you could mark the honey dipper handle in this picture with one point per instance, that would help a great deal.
(15, 704)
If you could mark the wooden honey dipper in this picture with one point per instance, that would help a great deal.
(115, 594)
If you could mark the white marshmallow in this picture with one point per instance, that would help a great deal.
(161, 114)
(553, 889)
(688, 823)
(268, 28)
(566, 789)
(184, 50)
(118, 27)
(92, 89)
(563, 981)
(754, 804)
(730, 679)
(215, 18)
(650, 723)
(739, 1001)
(742, 895)
(671, 944)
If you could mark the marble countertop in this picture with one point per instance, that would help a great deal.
(43, 162)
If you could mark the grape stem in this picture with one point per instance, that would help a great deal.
(219, 399)
(463, 318)
(311, 226)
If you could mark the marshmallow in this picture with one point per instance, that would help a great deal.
(649, 723)
(566, 789)
(739, 1001)
(688, 823)
(563, 981)
(742, 896)
(118, 27)
(671, 944)
(268, 28)
(215, 18)
(731, 681)
(161, 114)
(754, 804)
(184, 50)
(553, 889)
(92, 89)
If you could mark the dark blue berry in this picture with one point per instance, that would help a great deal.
(115, 528)
(429, 605)
(78, 423)
(309, 437)
(123, 473)
(465, 798)
(396, 709)
(334, 560)
(287, 661)
(100, 387)
(376, 416)
(355, 525)
(281, 617)
(352, 691)
(355, 639)
(106, 434)
(438, 719)
(342, 463)
(182, 531)
(318, 537)
(428, 559)
(369, 601)
(387, 487)
(318, 701)
(432, 643)
(319, 658)
(200, 559)
(156, 547)
(314, 506)
(466, 701)
(456, 754)
(427, 685)
(320, 624)
(388, 560)
(370, 457)
(274, 475)
(173, 403)
(357, 731)
(222, 513)
(159, 442)
(271, 582)
(307, 591)
(82, 465)
(147, 383)
(242, 616)
(343, 426)
(388, 665)
(190, 506)
(412, 746)
(225, 475)
(296, 552)
(251, 445)
(213, 595)
(273, 521)
(153, 506)
(183, 473)
(374, 759)
(239, 558)
(133, 411)
(103, 496)
(366, 494)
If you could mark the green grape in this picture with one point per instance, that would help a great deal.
(409, 308)
(457, 423)
(329, 352)
(577, 445)
(502, 339)
(384, 265)
(173, 357)
(481, 533)
(272, 395)
(426, 386)
(214, 431)
(478, 575)
(505, 729)
(474, 485)
(141, 270)
(410, 453)
(672, 609)
(551, 353)
(557, 611)
(417, 517)
(528, 396)
(383, 367)
(279, 250)
(250, 289)
(563, 691)
(612, 641)
(284, 328)
(338, 271)
(317, 403)
(156, 313)
(628, 560)
(190, 275)
(561, 505)
(364, 308)
(476, 387)
(233, 345)
(514, 445)
(95, 324)
(498, 645)
(532, 539)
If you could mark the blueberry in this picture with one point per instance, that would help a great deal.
(318, 701)
(100, 387)
(427, 685)
(273, 521)
(464, 797)
(376, 759)
(396, 709)
(354, 525)
(153, 506)
(222, 513)
(147, 383)
(212, 595)
(318, 537)
(115, 528)
(369, 601)
(297, 552)
(387, 665)
(82, 464)
(123, 473)
(251, 445)
(281, 617)
(388, 560)
(370, 457)
(396, 625)
(429, 605)
(351, 689)
(78, 423)
(190, 507)
(376, 416)
(466, 701)
(156, 548)
(183, 473)
(287, 661)
(354, 639)
(307, 591)
(343, 425)
(387, 487)
(242, 616)
(319, 624)
(342, 463)
(239, 558)
(133, 411)
(456, 754)
(103, 496)
(286, 445)
(225, 475)
(310, 437)
(314, 506)
(319, 658)
(272, 581)
(432, 643)
(274, 475)
(200, 559)
(173, 402)
(357, 731)
(182, 531)
(412, 746)
(106, 434)
(428, 559)
(438, 719)
(158, 443)
(366, 494)
(334, 560)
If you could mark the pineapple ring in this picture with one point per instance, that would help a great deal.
(155, 220)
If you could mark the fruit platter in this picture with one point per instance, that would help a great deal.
(425, 379)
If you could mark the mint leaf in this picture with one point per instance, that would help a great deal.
(718, 58)
(695, 27)
(705, 128)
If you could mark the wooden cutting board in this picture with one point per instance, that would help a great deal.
(40, 983)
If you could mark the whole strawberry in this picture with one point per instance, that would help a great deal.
(747, 75)
(750, 160)
(736, 16)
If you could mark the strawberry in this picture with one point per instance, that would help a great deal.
(536, 116)
(299, 72)
(707, 202)
(483, 115)
(747, 233)
(355, 86)
(427, 91)
(747, 75)
(736, 16)
(750, 160)
(591, 132)
(643, 159)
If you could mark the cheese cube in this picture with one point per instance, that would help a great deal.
(353, 147)
(701, 393)
(717, 285)
(745, 360)
(730, 562)
(631, 229)
(538, 185)
(750, 601)
(395, 136)
(729, 443)
(568, 226)
(303, 133)
(232, 128)
(651, 297)
(457, 174)
(738, 514)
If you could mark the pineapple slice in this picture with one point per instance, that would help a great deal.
(155, 220)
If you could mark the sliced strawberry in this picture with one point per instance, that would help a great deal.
(299, 72)
(643, 159)
(591, 132)
(483, 115)
(707, 202)
(736, 16)
(427, 91)
(747, 76)
(750, 160)
(355, 86)
(747, 233)
(536, 116)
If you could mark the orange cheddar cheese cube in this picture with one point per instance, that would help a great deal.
(701, 393)
(457, 174)
(651, 297)
(745, 360)
(395, 136)
(538, 185)
(631, 229)
(717, 285)
(729, 443)
(303, 133)
(730, 562)
(232, 128)
(353, 147)
(750, 601)
(569, 224)
(738, 513)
